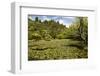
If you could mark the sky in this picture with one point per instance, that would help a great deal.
(66, 20)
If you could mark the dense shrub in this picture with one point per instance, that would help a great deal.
(36, 36)
(45, 35)
(30, 35)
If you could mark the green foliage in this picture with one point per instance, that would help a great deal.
(30, 35)
(36, 36)
(36, 19)
(54, 49)
(78, 31)
(52, 28)
(45, 35)
(52, 40)
(60, 36)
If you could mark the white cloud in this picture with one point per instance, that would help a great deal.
(61, 21)
(30, 17)
(69, 18)
(68, 24)
(45, 18)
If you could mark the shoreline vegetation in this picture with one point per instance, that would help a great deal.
(50, 40)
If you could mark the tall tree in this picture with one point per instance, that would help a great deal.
(78, 31)
(36, 19)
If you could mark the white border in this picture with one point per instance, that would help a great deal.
(19, 58)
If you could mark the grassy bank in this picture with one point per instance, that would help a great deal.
(54, 49)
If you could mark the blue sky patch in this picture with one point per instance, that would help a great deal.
(66, 20)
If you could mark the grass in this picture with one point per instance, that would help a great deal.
(54, 49)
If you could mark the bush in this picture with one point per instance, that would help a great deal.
(45, 35)
(36, 36)
(61, 36)
(30, 35)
